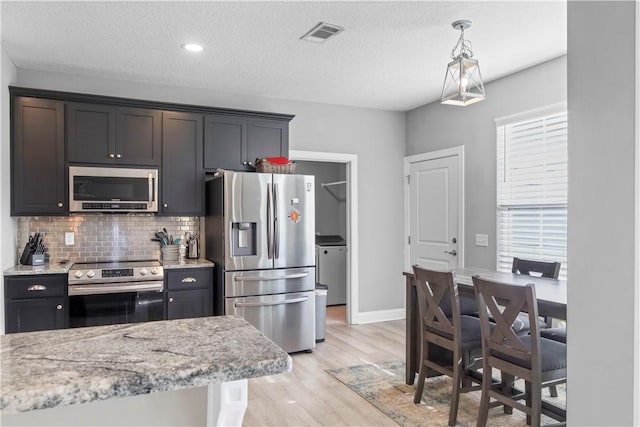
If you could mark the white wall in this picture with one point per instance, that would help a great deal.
(377, 137)
(435, 126)
(602, 119)
(7, 224)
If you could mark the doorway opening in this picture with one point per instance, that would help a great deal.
(336, 228)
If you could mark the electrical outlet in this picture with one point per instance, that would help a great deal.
(69, 238)
(482, 240)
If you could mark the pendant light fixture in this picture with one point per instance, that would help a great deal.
(462, 82)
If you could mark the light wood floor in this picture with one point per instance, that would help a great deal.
(308, 396)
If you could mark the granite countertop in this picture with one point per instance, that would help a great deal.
(47, 268)
(68, 366)
(186, 263)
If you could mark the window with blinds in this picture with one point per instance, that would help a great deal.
(532, 191)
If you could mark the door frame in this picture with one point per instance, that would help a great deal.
(351, 161)
(432, 155)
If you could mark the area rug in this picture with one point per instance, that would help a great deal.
(382, 384)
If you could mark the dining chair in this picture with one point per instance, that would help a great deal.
(540, 362)
(451, 341)
(550, 270)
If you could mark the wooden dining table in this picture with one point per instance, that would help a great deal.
(550, 293)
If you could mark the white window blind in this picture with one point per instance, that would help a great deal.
(532, 191)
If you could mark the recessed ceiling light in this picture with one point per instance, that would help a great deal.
(192, 47)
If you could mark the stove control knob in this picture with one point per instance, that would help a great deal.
(154, 270)
(143, 272)
(77, 274)
(91, 274)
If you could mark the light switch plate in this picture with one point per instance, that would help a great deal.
(69, 238)
(482, 240)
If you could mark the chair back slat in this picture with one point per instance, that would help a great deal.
(550, 270)
(505, 302)
(437, 291)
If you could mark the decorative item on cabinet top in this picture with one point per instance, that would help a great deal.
(275, 165)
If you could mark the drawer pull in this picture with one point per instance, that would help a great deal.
(189, 280)
(37, 288)
(59, 307)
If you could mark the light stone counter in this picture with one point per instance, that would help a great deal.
(70, 366)
(186, 263)
(47, 268)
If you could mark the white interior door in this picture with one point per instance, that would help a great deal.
(434, 206)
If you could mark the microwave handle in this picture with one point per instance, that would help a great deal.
(150, 187)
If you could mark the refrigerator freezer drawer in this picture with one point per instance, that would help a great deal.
(263, 282)
(287, 319)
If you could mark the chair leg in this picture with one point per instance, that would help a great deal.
(536, 404)
(422, 373)
(483, 410)
(507, 389)
(455, 392)
(553, 391)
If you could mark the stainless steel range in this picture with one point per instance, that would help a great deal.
(106, 293)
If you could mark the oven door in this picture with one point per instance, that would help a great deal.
(108, 304)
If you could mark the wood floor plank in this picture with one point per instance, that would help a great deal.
(309, 396)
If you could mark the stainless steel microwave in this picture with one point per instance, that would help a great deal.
(94, 189)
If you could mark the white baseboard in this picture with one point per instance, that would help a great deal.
(380, 316)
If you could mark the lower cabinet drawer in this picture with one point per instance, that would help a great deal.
(36, 286)
(189, 278)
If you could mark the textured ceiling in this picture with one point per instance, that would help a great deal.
(392, 55)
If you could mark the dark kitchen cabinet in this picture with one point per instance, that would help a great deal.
(38, 182)
(189, 292)
(35, 303)
(267, 138)
(182, 175)
(106, 134)
(235, 142)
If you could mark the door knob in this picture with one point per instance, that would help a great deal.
(453, 252)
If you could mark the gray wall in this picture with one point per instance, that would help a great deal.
(7, 224)
(377, 137)
(602, 113)
(436, 126)
(331, 209)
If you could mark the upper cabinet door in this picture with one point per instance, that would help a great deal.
(224, 140)
(103, 134)
(38, 184)
(91, 133)
(182, 176)
(138, 138)
(266, 138)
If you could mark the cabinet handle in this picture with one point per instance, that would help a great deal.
(37, 288)
(171, 299)
(60, 204)
(59, 307)
(119, 156)
(189, 280)
(244, 163)
(164, 205)
(112, 155)
(250, 163)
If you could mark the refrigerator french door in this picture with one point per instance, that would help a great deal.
(260, 231)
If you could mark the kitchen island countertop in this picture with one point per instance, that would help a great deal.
(69, 366)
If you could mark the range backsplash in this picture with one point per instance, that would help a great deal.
(104, 237)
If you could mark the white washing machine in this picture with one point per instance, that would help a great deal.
(331, 267)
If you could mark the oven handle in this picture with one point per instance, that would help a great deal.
(262, 304)
(116, 288)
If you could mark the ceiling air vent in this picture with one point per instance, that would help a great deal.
(322, 32)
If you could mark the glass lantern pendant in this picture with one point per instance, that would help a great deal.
(462, 81)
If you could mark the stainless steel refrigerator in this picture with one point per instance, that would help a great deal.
(260, 231)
